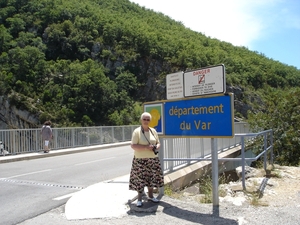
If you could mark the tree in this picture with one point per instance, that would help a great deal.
(282, 115)
(5, 38)
(93, 62)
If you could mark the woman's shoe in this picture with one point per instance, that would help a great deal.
(139, 203)
(155, 200)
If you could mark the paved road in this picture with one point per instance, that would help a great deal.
(33, 187)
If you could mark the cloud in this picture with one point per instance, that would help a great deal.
(268, 26)
(235, 21)
(231, 21)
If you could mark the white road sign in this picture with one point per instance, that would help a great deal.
(175, 85)
(205, 81)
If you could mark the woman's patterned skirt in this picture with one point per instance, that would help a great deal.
(145, 172)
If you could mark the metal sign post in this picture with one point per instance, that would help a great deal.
(215, 176)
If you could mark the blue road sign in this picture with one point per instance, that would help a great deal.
(201, 117)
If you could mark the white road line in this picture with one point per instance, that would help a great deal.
(63, 197)
(79, 164)
(25, 174)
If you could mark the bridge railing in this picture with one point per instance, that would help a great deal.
(18, 141)
(197, 148)
(260, 144)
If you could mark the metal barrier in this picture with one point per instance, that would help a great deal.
(179, 152)
(18, 141)
(267, 137)
(260, 142)
(30, 140)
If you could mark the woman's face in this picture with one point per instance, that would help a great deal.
(146, 120)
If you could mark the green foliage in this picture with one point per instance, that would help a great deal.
(44, 117)
(89, 62)
(281, 114)
(86, 121)
(206, 187)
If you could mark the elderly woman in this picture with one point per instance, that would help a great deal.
(146, 169)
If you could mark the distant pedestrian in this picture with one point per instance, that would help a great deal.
(46, 133)
(2, 148)
(146, 168)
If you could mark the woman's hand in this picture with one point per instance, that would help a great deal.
(150, 147)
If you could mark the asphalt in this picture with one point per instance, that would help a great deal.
(111, 202)
(106, 199)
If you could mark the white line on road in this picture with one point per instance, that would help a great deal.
(25, 174)
(64, 196)
(94, 161)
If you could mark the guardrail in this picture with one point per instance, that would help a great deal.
(18, 141)
(179, 152)
(265, 137)
(259, 143)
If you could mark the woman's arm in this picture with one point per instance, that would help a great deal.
(139, 147)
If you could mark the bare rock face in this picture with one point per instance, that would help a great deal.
(13, 118)
(249, 172)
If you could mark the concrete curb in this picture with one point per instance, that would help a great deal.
(36, 155)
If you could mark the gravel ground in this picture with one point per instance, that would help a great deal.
(174, 211)
(279, 205)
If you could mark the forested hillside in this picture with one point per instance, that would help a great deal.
(93, 62)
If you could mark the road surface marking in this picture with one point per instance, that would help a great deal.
(25, 174)
(94, 161)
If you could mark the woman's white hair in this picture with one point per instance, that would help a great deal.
(146, 114)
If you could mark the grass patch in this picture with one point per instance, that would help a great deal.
(254, 199)
(169, 192)
(206, 188)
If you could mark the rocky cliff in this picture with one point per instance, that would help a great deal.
(13, 118)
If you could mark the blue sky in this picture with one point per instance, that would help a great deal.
(270, 27)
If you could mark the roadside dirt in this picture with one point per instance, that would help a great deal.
(282, 188)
